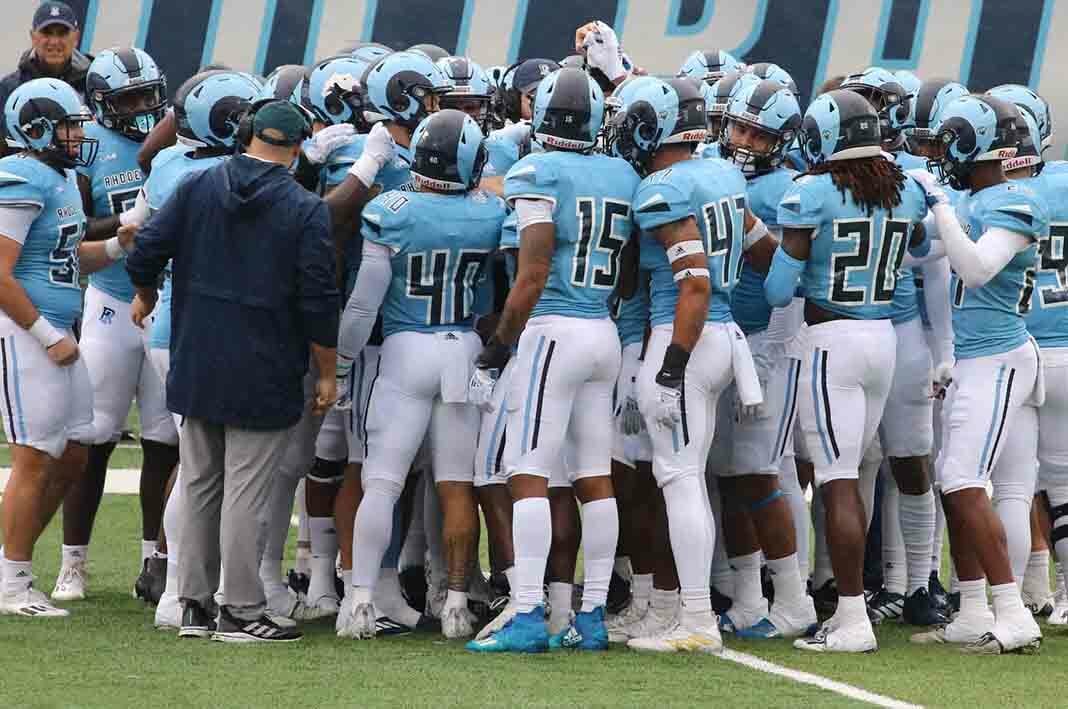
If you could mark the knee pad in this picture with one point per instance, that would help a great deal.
(327, 472)
(382, 486)
(1058, 512)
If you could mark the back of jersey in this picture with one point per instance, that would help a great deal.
(856, 255)
(1048, 320)
(989, 320)
(712, 192)
(440, 244)
(591, 198)
(115, 179)
(47, 266)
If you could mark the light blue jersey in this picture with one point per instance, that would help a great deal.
(906, 305)
(748, 302)
(855, 261)
(440, 244)
(1055, 167)
(115, 180)
(632, 315)
(712, 192)
(709, 151)
(1048, 320)
(990, 320)
(591, 197)
(169, 168)
(47, 266)
(502, 154)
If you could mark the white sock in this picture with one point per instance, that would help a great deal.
(389, 601)
(1058, 496)
(148, 547)
(1012, 501)
(688, 529)
(954, 580)
(973, 597)
(748, 592)
(939, 535)
(18, 575)
(509, 574)
(822, 572)
(600, 533)
(371, 535)
(346, 578)
(172, 520)
(455, 599)
(720, 575)
(323, 557)
(851, 609)
(786, 578)
(171, 585)
(894, 565)
(795, 496)
(641, 589)
(917, 514)
(1061, 594)
(1007, 599)
(559, 605)
(79, 554)
(531, 539)
(1036, 579)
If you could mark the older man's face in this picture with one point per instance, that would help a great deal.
(54, 44)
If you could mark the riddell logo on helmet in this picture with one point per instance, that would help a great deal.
(1006, 153)
(693, 136)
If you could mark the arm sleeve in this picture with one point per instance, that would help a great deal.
(372, 283)
(157, 239)
(317, 288)
(935, 252)
(782, 279)
(533, 211)
(15, 221)
(977, 262)
(936, 279)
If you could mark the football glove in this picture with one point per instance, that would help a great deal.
(602, 52)
(326, 141)
(942, 378)
(669, 381)
(480, 388)
(931, 188)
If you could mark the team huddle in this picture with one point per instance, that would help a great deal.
(585, 309)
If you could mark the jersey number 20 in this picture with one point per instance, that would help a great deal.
(858, 260)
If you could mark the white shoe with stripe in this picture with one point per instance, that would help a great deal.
(30, 603)
(263, 629)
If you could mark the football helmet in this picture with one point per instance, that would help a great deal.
(431, 51)
(773, 72)
(1030, 101)
(722, 91)
(126, 92)
(908, 80)
(34, 114)
(839, 125)
(932, 96)
(285, 83)
(208, 108)
(334, 94)
(568, 110)
(654, 113)
(765, 113)
(888, 96)
(447, 152)
(974, 129)
(1029, 150)
(469, 89)
(403, 87)
(709, 66)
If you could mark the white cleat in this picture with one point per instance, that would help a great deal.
(630, 615)
(705, 640)
(360, 624)
(1010, 634)
(71, 583)
(343, 613)
(497, 623)
(739, 618)
(1040, 602)
(168, 612)
(653, 623)
(324, 607)
(856, 637)
(30, 604)
(1059, 616)
(456, 623)
(964, 629)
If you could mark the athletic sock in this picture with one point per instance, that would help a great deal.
(721, 576)
(18, 575)
(973, 597)
(600, 533)
(531, 538)
(791, 487)
(389, 601)
(917, 514)
(148, 547)
(641, 589)
(851, 609)
(170, 586)
(748, 592)
(560, 594)
(1007, 599)
(78, 554)
(323, 557)
(1036, 579)
(688, 529)
(786, 579)
(893, 549)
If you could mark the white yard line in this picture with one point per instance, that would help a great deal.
(830, 685)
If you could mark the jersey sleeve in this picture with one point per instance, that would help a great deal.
(801, 205)
(510, 232)
(385, 220)
(533, 177)
(1019, 210)
(336, 167)
(660, 200)
(19, 191)
(502, 155)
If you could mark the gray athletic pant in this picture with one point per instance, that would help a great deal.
(227, 474)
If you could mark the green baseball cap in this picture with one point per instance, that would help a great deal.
(288, 124)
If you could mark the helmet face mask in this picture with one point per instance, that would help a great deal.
(133, 110)
(46, 117)
(756, 149)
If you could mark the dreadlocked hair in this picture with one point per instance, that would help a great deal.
(874, 182)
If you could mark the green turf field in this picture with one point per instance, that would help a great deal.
(108, 655)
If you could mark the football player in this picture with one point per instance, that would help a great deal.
(47, 396)
(127, 96)
(991, 244)
(709, 67)
(423, 253)
(573, 213)
(846, 225)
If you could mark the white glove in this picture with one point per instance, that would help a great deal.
(326, 141)
(941, 379)
(480, 389)
(518, 133)
(667, 411)
(378, 150)
(341, 373)
(602, 52)
(931, 187)
(756, 411)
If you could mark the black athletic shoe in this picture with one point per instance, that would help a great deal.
(720, 603)
(144, 580)
(885, 605)
(299, 583)
(413, 586)
(825, 599)
(920, 609)
(939, 597)
(157, 578)
(261, 630)
(196, 622)
(618, 594)
(954, 602)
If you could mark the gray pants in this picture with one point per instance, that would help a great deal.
(227, 474)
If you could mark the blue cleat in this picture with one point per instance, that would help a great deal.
(524, 633)
(586, 632)
(768, 629)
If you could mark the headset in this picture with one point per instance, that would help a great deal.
(506, 101)
(245, 126)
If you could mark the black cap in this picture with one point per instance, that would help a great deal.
(52, 12)
(530, 73)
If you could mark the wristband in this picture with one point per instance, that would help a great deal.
(114, 249)
(44, 333)
(365, 170)
(675, 359)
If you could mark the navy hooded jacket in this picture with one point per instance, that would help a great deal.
(254, 284)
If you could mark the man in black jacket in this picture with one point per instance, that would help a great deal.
(253, 292)
(54, 35)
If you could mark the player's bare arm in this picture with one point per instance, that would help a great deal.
(694, 287)
(536, 249)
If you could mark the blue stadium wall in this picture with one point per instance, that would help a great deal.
(979, 42)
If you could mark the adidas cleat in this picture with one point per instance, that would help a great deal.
(71, 583)
(586, 632)
(679, 639)
(854, 638)
(885, 605)
(526, 632)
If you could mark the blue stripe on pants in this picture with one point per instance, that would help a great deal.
(993, 421)
(816, 405)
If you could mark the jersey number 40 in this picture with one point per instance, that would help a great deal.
(447, 282)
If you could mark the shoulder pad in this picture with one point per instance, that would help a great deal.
(802, 203)
(1019, 209)
(17, 186)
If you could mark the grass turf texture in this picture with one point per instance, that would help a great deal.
(107, 654)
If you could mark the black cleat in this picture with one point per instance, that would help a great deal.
(920, 609)
(939, 597)
(196, 622)
(413, 586)
(825, 598)
(261, 630)
(151, 581)
(299, 583)
(618, 594)
(885, 605)
(954, 602)
(720, 603)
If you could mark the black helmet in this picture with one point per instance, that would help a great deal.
(447, 152)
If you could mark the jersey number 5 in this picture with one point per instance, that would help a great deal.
(64, 258)
(609, 241)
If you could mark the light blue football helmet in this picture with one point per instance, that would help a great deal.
(448, 154)
(113, 78)
(773, 72)
(402, 87)
(33, 114)
(839, 125)
(209, 110)
(888, 96)
(722, 92)
(653, 113)
(908, 80)
(568, 110)
(975, 129)
(334, 93)
(469, 89)
(1030, 101)
(771, 109)
(709, 66)
(932, 96)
